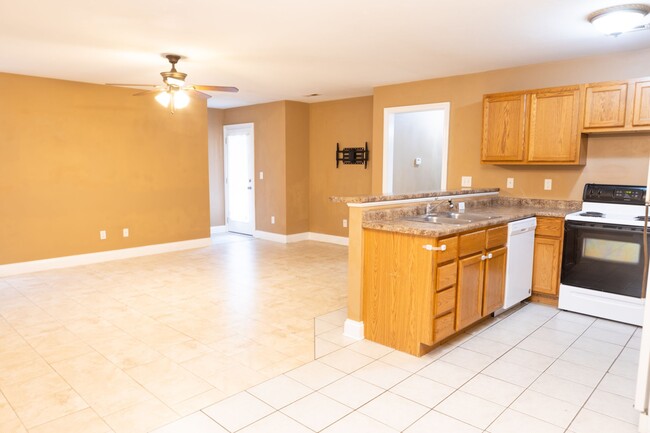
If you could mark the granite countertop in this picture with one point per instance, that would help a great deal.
(380, 198)
(503, 209)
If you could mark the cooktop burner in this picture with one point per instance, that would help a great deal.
(593, 214)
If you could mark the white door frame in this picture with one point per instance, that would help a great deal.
(226, 130)
(389, 137)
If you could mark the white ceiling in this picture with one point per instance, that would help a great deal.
(285, 49)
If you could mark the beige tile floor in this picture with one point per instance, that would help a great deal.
(131, 345)
(534, 370)
(221, 340)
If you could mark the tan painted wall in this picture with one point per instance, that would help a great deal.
(297, 154)
(620, 159)
(348, 122)
(216, 167)
(77, 158)
(270, 151)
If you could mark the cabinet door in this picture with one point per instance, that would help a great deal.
(641, 112)
(605, 105)
(469, 306)
(546, 265)
(554, 134)
(504, 125)
(495, 280)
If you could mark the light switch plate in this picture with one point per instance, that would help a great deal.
(548, 184)
(102, 234)
(510, 182)
(466, 181)
(261, 175)
(125, 232)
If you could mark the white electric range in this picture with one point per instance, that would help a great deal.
(603, 259)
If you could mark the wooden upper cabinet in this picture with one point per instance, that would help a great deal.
(617, 106)
(605, 105)
(641, 110)
(504, 124)
(534, 127)
(554, 133)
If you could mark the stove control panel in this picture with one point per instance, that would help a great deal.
(619, 194)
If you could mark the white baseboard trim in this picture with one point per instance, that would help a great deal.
(217, 229)
(330, 239)
(299, 237)
(102, 256)
(353, 329)
(268, 236)
(644, 423)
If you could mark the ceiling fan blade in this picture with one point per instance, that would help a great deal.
(216, 88)
(196, 94)
(131, 85)
(148, 92)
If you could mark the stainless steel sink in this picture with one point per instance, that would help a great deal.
(453, 218)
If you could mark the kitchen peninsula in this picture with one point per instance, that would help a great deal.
(412, 284)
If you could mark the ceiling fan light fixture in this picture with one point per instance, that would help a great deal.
(181, 99)
(620, 19)
(164, 98)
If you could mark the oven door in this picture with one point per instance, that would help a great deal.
(603, 257)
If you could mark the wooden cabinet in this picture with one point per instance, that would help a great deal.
(417, 292)
(605, 105)
(470, 290)
(481, 274)
(554, 129)
(409, 289)
(617, 106)
(547, 260)
(537, 127)
(495, 280)
(504, 128)
(641, 109)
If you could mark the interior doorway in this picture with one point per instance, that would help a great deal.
(239, 171)
(416, 140)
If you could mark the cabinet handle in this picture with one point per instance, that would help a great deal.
(489, 255)
(484, 257)
(428, 247)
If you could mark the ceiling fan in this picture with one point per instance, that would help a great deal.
(174, 93)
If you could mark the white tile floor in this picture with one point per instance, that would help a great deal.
(536, 370)
(223, 340)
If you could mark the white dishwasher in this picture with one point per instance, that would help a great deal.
(519, 265)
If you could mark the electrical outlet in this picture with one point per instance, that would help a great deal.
(261, 175)
(345, 223)
(548, 184)
(125, 232)
(510, 182)
(461, 205)
(272, 220)
(466, 181)
(102, 234)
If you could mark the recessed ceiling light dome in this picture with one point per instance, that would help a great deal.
(620, 19)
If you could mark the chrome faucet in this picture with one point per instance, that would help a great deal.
(431, 207)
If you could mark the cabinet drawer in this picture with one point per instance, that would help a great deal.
(471, 243)
(445, 300)
(495, 237)
(451, 251)
(444, 326)
(446, 276)
(549, 226)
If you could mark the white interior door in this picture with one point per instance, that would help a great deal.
(239, 171)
